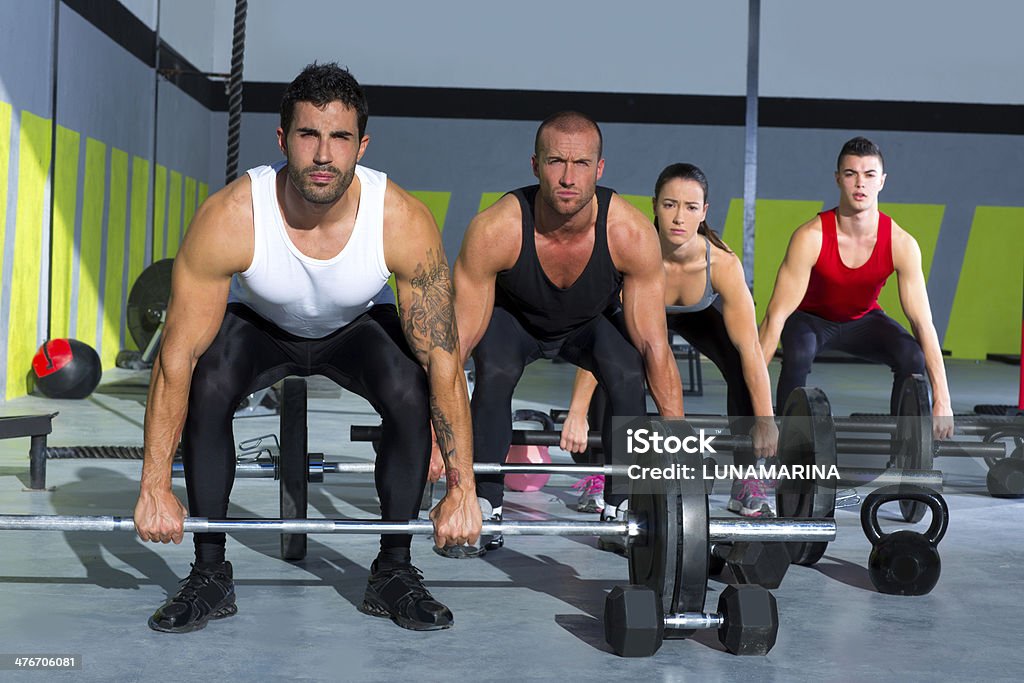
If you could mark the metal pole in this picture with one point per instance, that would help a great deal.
(694, 620)
(852, 477)
(849, 476)
(719, 530)
(968, 449)
(750, 144)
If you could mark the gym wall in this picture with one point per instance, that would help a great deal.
(454, 106)
(105, 190)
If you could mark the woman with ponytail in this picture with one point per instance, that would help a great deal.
(708, 304)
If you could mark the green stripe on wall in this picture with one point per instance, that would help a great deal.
(62, 264)
(776, 220)
(203, 192)
(437, 202)
(89, 251)
(641, 202)
(986, 310)
(922, 221)
(137, 229)
(732, 231)
(33, 168)
(190, 204)
(159, 212)
(113, 277)
(173, 214)
(488, 198)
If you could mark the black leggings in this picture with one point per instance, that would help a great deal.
(875, 337)
(600, 346)
(705, 331)
(369, 357)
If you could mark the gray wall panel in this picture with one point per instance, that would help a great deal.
(26, 47)
(107, 96)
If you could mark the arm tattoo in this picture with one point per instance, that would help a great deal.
(442, 430)
(451, 475)
(429, 319)
(445, 442)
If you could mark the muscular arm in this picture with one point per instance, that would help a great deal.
(488, 247)
(906, 257)
(218, 243)
(576, 426)
(741, 325)
(636, 253)
(790, 285)
(426, 307)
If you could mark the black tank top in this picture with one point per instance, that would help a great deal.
(547, 311)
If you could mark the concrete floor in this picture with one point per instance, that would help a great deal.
(529, 611)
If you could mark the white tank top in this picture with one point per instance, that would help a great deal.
(311, 297)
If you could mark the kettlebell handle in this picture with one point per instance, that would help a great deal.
(888, 494)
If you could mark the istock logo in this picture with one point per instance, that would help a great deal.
(640, 441)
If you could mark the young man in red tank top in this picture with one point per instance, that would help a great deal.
(826, 292)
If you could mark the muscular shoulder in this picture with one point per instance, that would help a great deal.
(905, 249)
(494, 236)
(805, 243)
(411, 235)
(726, 268)
(632, 239)
(405, 216)
(219, 240)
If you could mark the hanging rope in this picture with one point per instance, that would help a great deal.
(235, 91)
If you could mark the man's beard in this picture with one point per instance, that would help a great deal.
(320, 194)
(568, 210)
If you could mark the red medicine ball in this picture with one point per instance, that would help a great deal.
(66, 368)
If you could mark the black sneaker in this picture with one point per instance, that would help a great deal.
(206, 593)
(398, 594)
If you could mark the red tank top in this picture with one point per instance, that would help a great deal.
(839, 293)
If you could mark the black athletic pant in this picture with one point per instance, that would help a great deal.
(600, 346)
(369, 357)
(705, 331)
(875, 337)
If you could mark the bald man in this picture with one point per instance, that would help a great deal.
(540, 275)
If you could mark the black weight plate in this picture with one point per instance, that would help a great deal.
(672, 556)
(147, 300)
(912, 442)
(807, 437)
(654, 556)
(294, 464)
(694, 548)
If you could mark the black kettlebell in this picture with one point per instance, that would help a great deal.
(904, 562)
(528, 415)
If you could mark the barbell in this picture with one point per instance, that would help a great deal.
(719, 530)
(270, 467)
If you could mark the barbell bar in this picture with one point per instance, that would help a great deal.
(847, 445)
(719, 530)
(849, 476)
(971, 425)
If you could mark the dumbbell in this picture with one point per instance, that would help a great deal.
(761, 564)
(635, 624)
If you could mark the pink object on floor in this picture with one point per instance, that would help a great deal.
(524, 455)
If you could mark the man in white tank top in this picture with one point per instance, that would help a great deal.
(282, 273)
